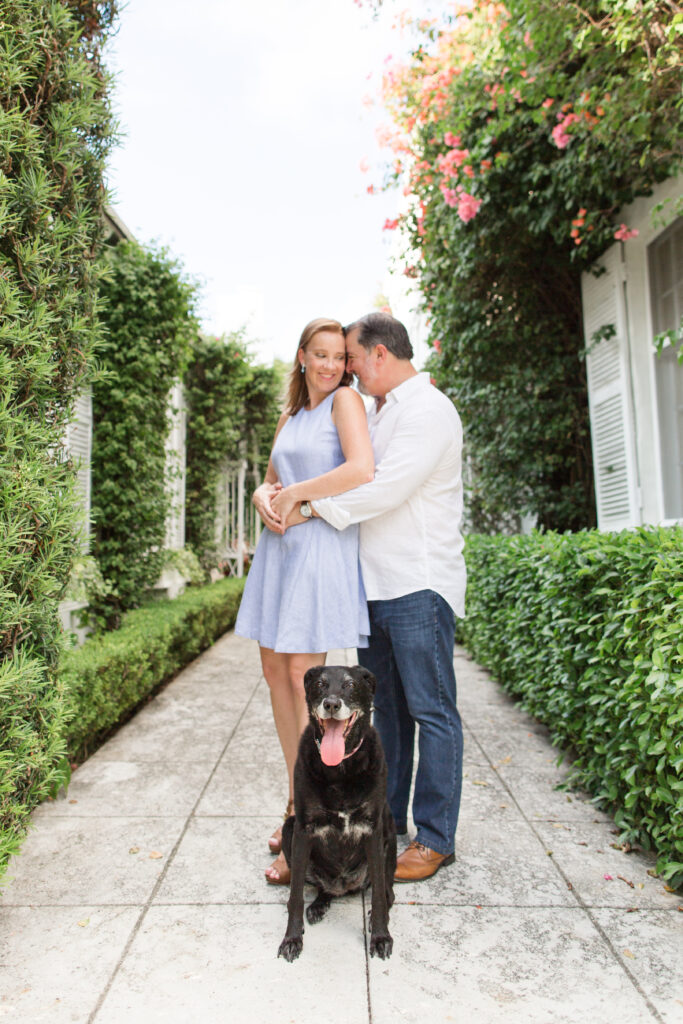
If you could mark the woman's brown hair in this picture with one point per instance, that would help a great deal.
(297, 393)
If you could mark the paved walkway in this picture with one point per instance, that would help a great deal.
(140, 896)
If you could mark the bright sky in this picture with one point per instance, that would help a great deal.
(245, 130)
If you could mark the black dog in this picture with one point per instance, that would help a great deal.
(341, 837)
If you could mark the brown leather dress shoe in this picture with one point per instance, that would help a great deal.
(417, 862)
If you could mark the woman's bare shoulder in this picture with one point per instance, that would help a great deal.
(346, 398)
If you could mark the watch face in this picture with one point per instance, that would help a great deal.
(305, 510)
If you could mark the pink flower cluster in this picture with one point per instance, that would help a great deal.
(448, 163)
(390, 225)
(468, 205)
(622, 234)
(559, 132)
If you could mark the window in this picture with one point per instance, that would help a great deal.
(666, 284)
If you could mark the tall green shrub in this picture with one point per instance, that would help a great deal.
(232, 413)
(586, 629)
(56, 130)
(148, 316)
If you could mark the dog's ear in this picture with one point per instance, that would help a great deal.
(312, 676)
(366, 674)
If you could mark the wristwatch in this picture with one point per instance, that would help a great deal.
(305, 509)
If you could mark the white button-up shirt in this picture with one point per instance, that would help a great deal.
(410, 513)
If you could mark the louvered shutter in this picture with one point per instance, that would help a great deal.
(78, 445)
(175, 468)
(609, 403)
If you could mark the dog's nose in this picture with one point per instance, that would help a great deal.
(332, 704)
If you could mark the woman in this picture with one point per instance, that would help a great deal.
(304, 594)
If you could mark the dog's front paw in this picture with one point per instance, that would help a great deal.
(381, 946)
(290, 948)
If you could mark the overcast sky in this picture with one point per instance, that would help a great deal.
(245, 129)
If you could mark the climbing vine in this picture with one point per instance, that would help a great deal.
(150, 326)
(232, 413)
(519, 133)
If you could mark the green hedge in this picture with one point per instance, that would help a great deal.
(106, 678)
(587, 629)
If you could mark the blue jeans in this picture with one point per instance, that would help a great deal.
(411, 655)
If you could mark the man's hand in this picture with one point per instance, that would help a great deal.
(262, 499)
(294, 517)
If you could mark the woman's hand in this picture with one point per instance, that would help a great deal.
(262, 499)
(283, 503)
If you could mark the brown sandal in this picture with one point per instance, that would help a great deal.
(284, 875)
(275, 841)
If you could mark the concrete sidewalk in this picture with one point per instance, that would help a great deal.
(140, 896)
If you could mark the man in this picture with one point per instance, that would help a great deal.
(411, 553)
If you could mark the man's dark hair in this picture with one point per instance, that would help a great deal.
(382, 329)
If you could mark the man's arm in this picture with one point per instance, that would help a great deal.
(417, 446)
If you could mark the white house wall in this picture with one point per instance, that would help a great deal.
(635, 322)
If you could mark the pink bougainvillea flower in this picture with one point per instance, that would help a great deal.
(449, 162)
(451, 140)
(622, 234)
(486, 165)
(560, 137)
(437, 345)
(450, 196)
(370, 190)
(468, 207)
(559, 132)
(608, 878)
(364, 165)
(547, 103)
(527, 40)
(390, 225)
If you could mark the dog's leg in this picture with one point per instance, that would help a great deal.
(381, 942)
(316, 910)
(293, 942)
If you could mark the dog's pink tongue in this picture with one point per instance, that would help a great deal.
(333, 747)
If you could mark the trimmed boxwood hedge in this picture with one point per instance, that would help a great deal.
(111, 674)
(587, 629)
(100, 684)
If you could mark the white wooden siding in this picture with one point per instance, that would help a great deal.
(78, 443)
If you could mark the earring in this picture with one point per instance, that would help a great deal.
(303, 368)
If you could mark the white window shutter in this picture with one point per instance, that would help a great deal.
(176, 467)
(612, 433)
(79, 446)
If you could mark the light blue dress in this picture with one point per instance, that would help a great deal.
(304, 593)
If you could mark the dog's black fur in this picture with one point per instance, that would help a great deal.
(341, 836)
